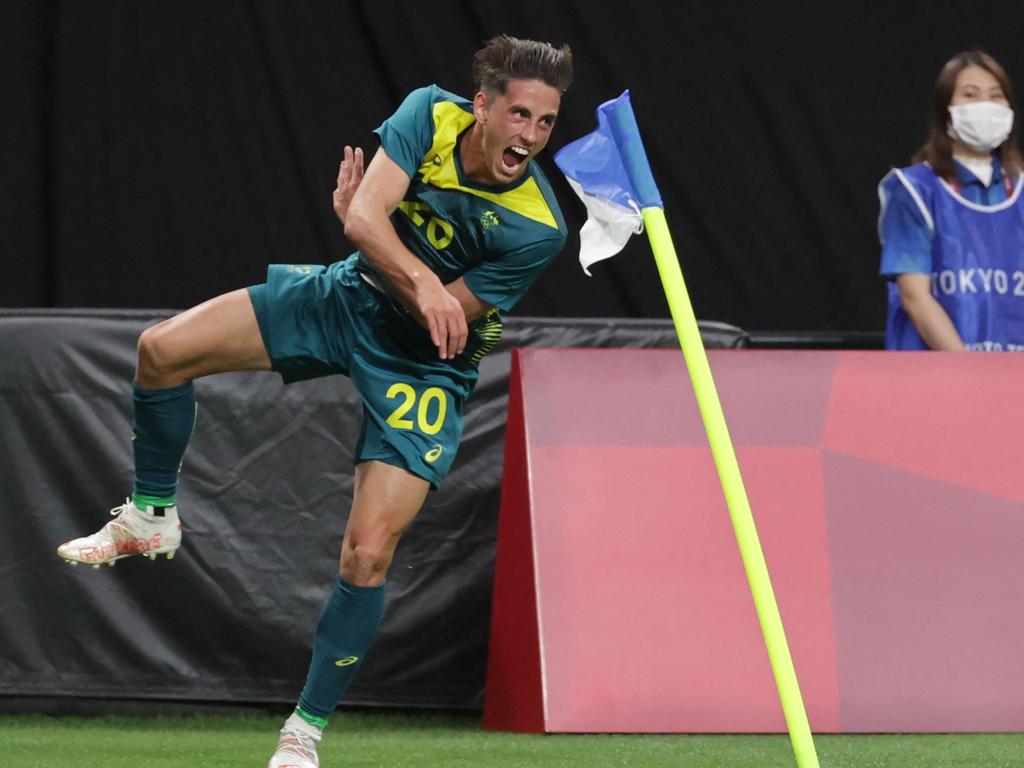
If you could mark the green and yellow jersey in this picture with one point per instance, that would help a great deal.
(498, 238)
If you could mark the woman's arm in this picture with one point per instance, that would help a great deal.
(929, 318)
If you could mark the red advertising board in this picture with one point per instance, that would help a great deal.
(889, 498)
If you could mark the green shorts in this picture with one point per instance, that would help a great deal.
(316, 321)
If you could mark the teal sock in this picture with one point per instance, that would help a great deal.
(347, 626)
(164, 419)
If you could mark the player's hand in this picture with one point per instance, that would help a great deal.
(350, 173)
(444, 317)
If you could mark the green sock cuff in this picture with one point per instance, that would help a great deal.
(309, 717)
(142, 501)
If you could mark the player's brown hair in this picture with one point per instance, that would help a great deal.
(504, 58)
(938, 149)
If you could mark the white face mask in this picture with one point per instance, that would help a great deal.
(981, 125)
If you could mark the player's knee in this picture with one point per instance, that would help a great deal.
(156, 359)
(365, 565)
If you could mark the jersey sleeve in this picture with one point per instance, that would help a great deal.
(408, 134)
(502, 282)
(906, 236)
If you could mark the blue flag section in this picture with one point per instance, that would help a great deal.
(608, 169)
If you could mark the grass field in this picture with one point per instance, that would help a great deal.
(403, 740)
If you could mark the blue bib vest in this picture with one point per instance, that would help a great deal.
(977, 263)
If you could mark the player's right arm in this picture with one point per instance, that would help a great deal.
(368, 226)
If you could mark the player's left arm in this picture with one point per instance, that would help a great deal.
(472, 305)
(350, 175)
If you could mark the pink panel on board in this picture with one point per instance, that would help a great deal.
(644, 396)
(927, 596)
(944, 415)
(647, 623)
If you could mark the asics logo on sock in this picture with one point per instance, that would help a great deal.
(433, 454)
(348, 661)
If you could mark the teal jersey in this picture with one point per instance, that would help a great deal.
(499, 238)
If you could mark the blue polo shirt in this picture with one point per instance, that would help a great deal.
(906, 237)
(969, 238)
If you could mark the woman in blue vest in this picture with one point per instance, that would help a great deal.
(952, 224)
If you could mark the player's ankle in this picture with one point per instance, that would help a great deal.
(307, 720)
(144, 503)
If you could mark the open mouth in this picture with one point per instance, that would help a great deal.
(513, 157)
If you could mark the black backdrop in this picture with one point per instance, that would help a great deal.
(158, 153)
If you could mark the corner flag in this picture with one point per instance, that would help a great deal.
(609, 170)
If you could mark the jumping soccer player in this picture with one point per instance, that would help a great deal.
(453, 220)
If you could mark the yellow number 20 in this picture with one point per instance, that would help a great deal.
(408, 401)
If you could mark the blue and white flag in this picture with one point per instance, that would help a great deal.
(608, 169)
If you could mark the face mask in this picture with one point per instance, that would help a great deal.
(981, 125)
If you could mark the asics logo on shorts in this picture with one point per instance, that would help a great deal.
(433, 454)
(348, 661)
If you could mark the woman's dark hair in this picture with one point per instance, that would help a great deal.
(505, 58)
(938, 149)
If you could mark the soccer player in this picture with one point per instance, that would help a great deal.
(453, 220)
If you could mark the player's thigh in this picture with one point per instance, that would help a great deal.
(386, 499)
(219, 335)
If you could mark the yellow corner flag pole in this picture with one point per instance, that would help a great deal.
(611, 164)
(732, 486)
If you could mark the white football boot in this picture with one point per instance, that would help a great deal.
(133, 531)
(297, 746)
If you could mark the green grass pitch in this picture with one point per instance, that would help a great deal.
(425, 740)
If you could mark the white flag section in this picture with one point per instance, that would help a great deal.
(607, 228)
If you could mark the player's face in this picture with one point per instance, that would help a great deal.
(516, 126)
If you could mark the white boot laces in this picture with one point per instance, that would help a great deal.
(301, 743)
(118, 527)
